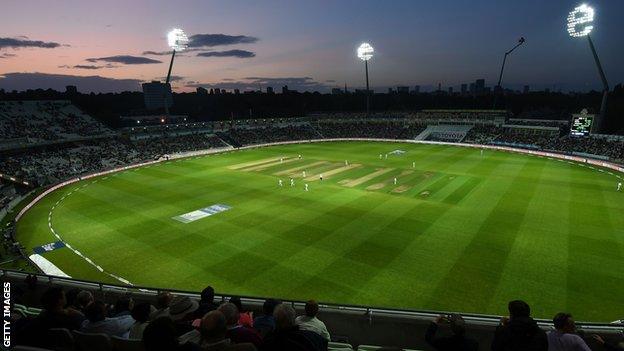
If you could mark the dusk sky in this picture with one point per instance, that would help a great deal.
(309, 45)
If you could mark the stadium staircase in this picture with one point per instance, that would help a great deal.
(450, 132)
(227, 139)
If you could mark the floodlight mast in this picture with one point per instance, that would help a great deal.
(500, 77)
(177, 40)
(580, 24)
(365, 53)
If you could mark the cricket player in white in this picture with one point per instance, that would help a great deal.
(395, 181)
(292, 182)
(346, 163)
(306, 186)
(321, 177)
(380, 156)
(481, 152)
(280, 182)
(386, 156)
(413, 164)
(304, 174)
(300, 156)
(619, 188)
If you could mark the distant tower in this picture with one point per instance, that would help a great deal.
(346, 91)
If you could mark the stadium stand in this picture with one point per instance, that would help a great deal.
(46, 142)
(46, 314)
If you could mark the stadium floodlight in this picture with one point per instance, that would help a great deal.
(580, 24)
(500, 77)
(365, 52)
(177, 41)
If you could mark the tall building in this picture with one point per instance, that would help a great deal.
(201, 91)
(450, 90)
(403, 90)
(417, 89)
(464, 89)
(390, 91)
(526, 89)
(236, 91)
(472, 89)
(156, 94)
(269, 90)
(336, 91)
(479, 86)
(285, 89)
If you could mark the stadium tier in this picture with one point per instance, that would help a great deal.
(399, 223)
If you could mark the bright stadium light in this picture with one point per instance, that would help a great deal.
(580, 21)
(580, 24)
(177, 41)
(365, 52)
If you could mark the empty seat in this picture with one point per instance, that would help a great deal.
(121, 344)
(92, 342)
(60, 339)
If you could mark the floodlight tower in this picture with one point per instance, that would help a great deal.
(500, 77)
(365, 53)
(580, 24)
(177, 41)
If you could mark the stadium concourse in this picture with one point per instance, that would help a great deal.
(44, 143)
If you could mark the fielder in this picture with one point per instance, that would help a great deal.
(300, 156)
(413, 164)
(281, 159)
(321, 177)
(619, 187)
(306, 186)
(346, 163)
(279, 182)
(395, 181)
(380, 156)
(304, 174)
(292, 182)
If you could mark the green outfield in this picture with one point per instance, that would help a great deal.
(458, 231)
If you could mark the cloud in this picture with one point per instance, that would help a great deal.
(210, 40)
(228, 53)
(23, 42)
(252, 83)
(108, 65)
(157, 53)
(36, 80)
(124, 59)
(6, 55)
(172, 78)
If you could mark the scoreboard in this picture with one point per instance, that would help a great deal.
(581, 124)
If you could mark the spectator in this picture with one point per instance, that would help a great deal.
(54, 314)
(246, 318)
(310, 322)
(97, 322)
(160, 335)
(519, 331)
(123, 306)
(564, 337)
(265, 323)
(79, 299)
(235, 332)
(206, 302)
(213, 331)
(163, 300)
(140, 314)
(182, 308)
(287, 335)
(458, 341)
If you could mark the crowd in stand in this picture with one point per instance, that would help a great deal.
(390, 129)
(46, 121)
(181, 323)
(176, 322)
(62, 161)
(272, 134)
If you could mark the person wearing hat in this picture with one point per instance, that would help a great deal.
(457, 342)
(182, 311)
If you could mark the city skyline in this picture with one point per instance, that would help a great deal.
(116, 45)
